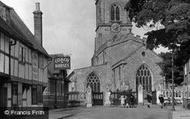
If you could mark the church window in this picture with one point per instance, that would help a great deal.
(144, 78)
(94, 82)
(112, 12)
(115, 13)
(119, 73)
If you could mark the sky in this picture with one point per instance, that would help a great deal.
(68, 26)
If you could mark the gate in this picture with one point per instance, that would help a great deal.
(97, 98)
(115, 96)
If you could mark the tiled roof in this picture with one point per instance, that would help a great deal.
(6, 29)
(18, 30)
(18, 25)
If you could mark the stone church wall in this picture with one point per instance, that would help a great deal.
(133, 63)
(81, 75)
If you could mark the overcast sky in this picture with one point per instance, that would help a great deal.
(68, 26)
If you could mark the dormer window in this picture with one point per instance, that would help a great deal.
(115, 13)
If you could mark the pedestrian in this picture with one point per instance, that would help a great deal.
(149, 99)
(110, 97)
(126, 101)
(132, 101)
(161, 98)
(122, 98)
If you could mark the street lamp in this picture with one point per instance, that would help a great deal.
(173, 108)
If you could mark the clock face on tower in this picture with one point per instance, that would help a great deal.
(115, 27)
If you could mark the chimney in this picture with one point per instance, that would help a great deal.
(38, 23)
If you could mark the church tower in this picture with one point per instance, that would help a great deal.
(111, 20)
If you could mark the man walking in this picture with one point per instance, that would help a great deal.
(161, 98)
(149, 99)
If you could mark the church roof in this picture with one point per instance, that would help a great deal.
(120, 39)
(132, 53)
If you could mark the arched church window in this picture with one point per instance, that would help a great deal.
(145, 75)
(115, 13)
(112, 12)
(94, 82)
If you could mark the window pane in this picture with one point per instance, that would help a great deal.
(2, 59)
(34, 95)
(39, 94)
(2, 42)
(15, 94)
(6, 44)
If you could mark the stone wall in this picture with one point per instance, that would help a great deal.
(81, 75)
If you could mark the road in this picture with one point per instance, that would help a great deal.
(112, 113)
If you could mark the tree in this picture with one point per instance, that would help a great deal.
(166, 67)
(174, 15)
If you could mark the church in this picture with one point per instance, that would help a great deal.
(121, 60)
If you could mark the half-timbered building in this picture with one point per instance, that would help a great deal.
(23, 59)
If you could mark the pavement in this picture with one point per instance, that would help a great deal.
(117, 112)
(180, 113)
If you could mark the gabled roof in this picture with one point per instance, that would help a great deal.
(129, 55)
(6, 29)
(118, 40)
(133, 53)
(4, 5)
(17, 27)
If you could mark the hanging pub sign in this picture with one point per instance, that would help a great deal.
(62, 62)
